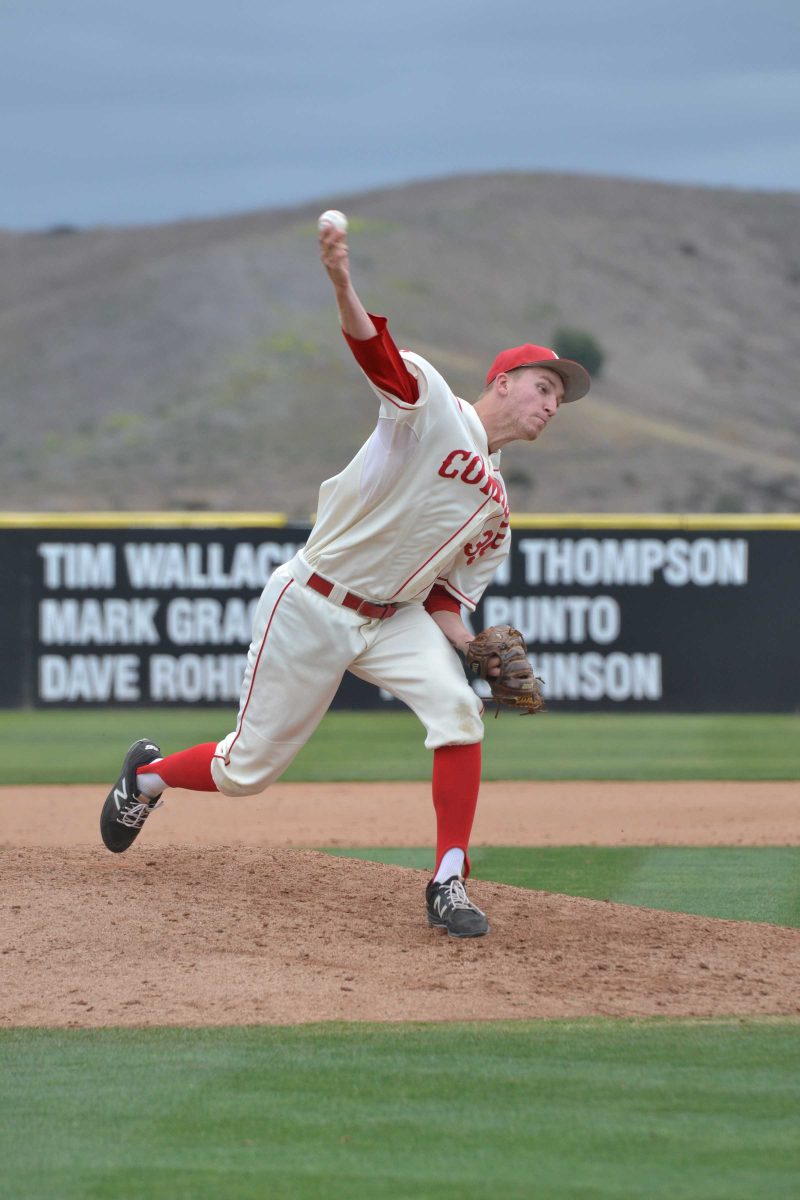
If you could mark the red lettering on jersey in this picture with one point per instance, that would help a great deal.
(501, 533)
(489, 540)
(448, 462)
(474, 550)
(474, 471)
(499, 495)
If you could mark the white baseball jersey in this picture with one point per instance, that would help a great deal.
(421, 503)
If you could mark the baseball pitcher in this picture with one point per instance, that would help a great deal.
(408, 534)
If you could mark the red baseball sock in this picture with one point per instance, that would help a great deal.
(189, 769)
(456, 780)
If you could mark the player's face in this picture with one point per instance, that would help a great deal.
(535, 394)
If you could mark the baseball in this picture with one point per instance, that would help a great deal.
(335, 218)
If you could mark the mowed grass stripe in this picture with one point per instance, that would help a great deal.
(738, 883)
(561, 1110)
(74, 746)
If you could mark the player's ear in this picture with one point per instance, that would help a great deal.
(501, 382)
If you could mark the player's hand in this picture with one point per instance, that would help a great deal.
(493, 663)
(335, 256)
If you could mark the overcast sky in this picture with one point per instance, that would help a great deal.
(115, 112)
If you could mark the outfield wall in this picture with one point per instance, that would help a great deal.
(681, 614)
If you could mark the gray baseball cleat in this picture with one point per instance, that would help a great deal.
(449, 907)
(126, 809)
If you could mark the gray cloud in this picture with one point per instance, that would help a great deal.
(145, 113)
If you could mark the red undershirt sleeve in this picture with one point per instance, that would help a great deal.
(439, 598)
(380, 361)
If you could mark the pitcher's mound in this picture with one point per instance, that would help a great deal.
(219, 936)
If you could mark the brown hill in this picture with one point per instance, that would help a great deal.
(199, 364)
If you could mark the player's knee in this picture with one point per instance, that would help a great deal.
(250, 788)
(458, 723)
(233, 781)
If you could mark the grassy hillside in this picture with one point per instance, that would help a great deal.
(199, 364)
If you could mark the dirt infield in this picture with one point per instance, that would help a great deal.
(218, 915)
(400, 814)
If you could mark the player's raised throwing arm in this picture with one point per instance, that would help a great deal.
(356, 321)
(367, 336)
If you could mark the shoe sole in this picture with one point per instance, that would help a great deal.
(441, 925)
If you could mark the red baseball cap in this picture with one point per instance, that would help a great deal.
(576, 378)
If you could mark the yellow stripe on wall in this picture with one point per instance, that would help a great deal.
(153, 520)
(655, 521)
(273, 520)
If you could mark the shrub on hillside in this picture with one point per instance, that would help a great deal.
(580, 346)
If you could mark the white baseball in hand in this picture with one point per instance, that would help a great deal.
(335, 218)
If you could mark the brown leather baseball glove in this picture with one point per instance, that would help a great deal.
(516, 686)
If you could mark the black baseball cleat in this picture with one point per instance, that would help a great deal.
(449, 907)
(126, 809)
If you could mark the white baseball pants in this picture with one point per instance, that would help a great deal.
(302, 645)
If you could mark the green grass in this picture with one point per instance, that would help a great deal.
(72, 746)
(562, 1110)
(739, 883)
